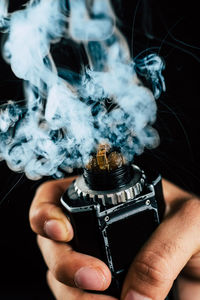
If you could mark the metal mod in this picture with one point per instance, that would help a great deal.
(114, 208)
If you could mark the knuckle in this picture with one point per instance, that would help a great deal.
(153, 268)
(189, 213)
(44, 189)
(56, 185)
(45, 185)
(41, 213)
(191, 207)
(37, 218)
(41, 188)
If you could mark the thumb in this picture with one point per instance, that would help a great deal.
(158, 264)
(46, 216)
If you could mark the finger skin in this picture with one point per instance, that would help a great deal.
(174, 196)
(64, 262)
(169, 249)
(63, 292)
(46, 207)
(188, 289)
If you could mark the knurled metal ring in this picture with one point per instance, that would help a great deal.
(113, 197)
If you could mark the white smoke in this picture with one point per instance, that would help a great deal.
(3, 9)
(4, 22)
(98, 28)
(62, 123)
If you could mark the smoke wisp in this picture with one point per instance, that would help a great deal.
(62, 122)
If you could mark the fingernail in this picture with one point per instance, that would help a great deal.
(132, 295)
(56, 230)
(90, 279)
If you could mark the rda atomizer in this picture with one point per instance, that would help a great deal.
(114, 208)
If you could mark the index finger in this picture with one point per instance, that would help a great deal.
(46, 216)
(174, 196)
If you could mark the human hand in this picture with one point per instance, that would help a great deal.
(69, 271)
(174, 246)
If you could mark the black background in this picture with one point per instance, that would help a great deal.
(170, 28)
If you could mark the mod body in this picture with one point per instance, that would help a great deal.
(113, 225)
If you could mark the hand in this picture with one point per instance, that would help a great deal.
(69, 271)
(173, 247)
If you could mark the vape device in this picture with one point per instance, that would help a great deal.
(114, 208)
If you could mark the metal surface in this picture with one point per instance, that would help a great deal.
(113, 197)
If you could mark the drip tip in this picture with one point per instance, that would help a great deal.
(105, 159)
(107, 170)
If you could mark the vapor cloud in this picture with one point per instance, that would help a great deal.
(63, 122)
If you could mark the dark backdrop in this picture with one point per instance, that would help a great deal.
(172, 29)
